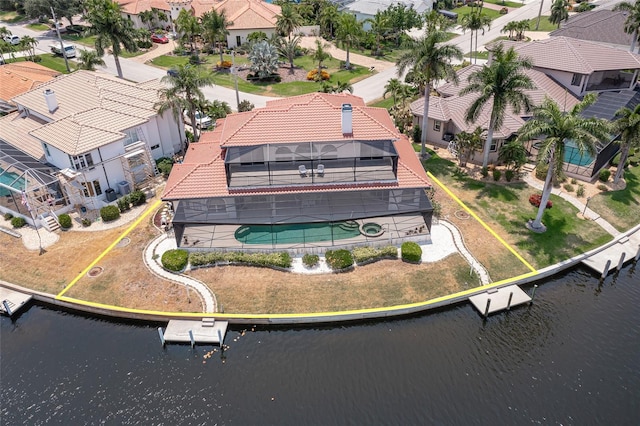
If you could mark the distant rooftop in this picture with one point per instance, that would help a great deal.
(601, 25)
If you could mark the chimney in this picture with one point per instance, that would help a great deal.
(347, 119)
(50, 98)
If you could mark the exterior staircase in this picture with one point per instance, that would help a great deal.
(51, 223)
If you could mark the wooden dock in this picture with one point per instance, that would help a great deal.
(207, 330)
(499, 298)
(13, 299)
(628, 246)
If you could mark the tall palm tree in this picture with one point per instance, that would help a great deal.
(475, 22)
(379, 26)
(288, 20)
(500, 83)
(89, 59)
(216, 28)
(328, 17)
(628, 124)
(392, 87)
(429, 55)
(559, 12)
(189, 26)
(467, 143)
(558, 127)
(183, 92)
(288, 49)
(112, 30)
(29, 44)
(320, 55)
(632, 23)
(510, 27)
(348, 33)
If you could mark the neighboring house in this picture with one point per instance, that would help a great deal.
(247, 16)
(17, 78)
(599, 26)
(305, 173)
(100, 135)
(447, 112)
(367, 9)
(162, 8)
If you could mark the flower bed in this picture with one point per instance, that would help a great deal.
(535, 200)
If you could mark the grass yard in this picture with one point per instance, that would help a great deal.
(126, 54)
(382, 103)
(620, 208)
(51, 61)
(505, 3)
(506, 208)
(545, 25)
(466, 10)
(87, 40)
(483, 54)
(39, 27)
(11, 16)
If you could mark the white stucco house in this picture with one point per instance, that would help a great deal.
(367, 9)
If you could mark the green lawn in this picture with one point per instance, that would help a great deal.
(11, 16)
(483, 54)
(545, 25)
(80, 39)
(383, 103)
(466, 10)
(620, 208)
(508, 205)
(38, 27)
(125, 54)
(505, 3)
(51, 61)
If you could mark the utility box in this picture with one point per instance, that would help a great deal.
(123, 187)
(111, 195)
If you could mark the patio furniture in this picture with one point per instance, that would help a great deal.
(303, 171)
(320, 170)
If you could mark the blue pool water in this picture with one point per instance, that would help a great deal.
(572, 155)
(296, 233)
(10, 179)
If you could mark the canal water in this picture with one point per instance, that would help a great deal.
(573, 357)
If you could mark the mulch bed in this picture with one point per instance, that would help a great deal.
(299, 74)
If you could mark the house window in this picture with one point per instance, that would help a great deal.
(494, 145)
(81, 161)
(155, 146)
(131, 137)
(575, 80)
(92, 189)
(46, 149)
(436, 125)
(238, 41)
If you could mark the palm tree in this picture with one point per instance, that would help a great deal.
(189, 26)
(510, 27)
(88, 60)
(348, 33)
(29, 44)
(475, 21)
(559, 12)
(628, 124)
(521, 27)
(147, 17)
(501, 83)
(558, 127)
(216, 28)
(393, 87)
(320, 55)
(288, 20)
(329, 16)
(288, 49)
(468, 143)
(379, 26)
(632, 23)
(183, 92)
(111, 29)
(430, 56)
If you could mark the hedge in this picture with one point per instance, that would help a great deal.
(137, 198)
(109, 213)
(411, 252)
(310, 260)
(339, 259)
(279, 260)
(65, 221)
(18, 222)
(367, 254)
(175, 260)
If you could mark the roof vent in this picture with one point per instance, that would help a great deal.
(50, 98)
(347, 119)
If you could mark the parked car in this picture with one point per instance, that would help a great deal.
(69, 49)
(12, 39)
(202, 121)
(159, 38)
(61, 27)
(172, 72)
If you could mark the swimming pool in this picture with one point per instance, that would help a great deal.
(10, 179)
(572, 155)
(297, 233)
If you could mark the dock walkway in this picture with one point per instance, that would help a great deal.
(627, 245)
(499, 299)
(206, 331)
(14, 299)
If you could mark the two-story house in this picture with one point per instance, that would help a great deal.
(100, 135)
(308, 172)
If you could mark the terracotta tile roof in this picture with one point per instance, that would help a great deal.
(18, 78)
(15, 129)
(306, 118)
(577, 56)
(453, 107)
(600, 25)
(202, 173)
(134, 7)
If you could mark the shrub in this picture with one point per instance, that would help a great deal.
(123, 204)
(484, 171)
(496, 174)
(224, 64)
(280, 260)
(310, 260)
(509, 175)
(568, 187)
(604, 175)
(602, 188)
(541, 171)
(580, 191)
(137, 198)
(366, 254)
(194, 60)
(504, 11)
(8, 216)
(245, 106)
(65, 221)
(411, 252)
(416, 136)
(18, 222)
(175, 260)
(109, 213)
(535, 200)
(144, 44)
(86, 222)
(573, 181)
(311, 75)
(339, 259)
(164, 165)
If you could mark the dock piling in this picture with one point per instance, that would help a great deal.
(533, 293)
(637, 254)
(220, 337)
(161, 336)
(486, 310)
(621, 261)
(605, 271)
(6, 307)
(193, 341)
(509, 302)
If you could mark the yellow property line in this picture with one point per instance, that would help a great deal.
(468, 210)
(108, 249)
